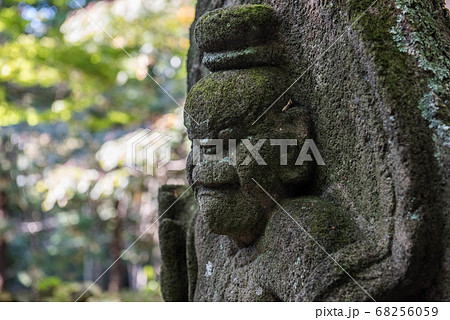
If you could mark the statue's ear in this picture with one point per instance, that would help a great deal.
(295, 124)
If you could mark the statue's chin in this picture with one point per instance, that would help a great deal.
(227, 214)
(219, 212)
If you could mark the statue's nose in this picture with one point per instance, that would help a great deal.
(239, 37)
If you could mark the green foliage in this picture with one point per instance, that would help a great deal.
(75, 68)
(69, 95)
(47, 286)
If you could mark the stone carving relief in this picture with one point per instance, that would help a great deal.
(280, 231)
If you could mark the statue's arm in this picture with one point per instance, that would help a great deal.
(175, 216)
(192, 267)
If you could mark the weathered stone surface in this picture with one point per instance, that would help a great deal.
(263, 271)
(264, 55)
(374, 82)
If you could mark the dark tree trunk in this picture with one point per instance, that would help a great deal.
(3, 201)
(116, 247)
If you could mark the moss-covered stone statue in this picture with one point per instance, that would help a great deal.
(366, 222)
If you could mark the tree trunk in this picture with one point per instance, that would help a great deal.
(3, 201)
(117, 246)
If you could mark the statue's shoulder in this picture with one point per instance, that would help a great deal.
(299, 240)
(308, 223)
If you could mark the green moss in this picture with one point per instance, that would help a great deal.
(394, 66)
(425, 42)
(392, 48)
(329, 225)
(226, 98)
(235, 27)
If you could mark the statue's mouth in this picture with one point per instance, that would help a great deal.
(209, 192)
(214, 191)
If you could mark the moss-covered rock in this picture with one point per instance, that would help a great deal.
(230, 97)
(235, 27)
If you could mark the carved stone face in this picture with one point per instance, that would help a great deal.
(225, 104)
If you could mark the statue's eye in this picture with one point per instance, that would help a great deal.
(209, 149)
(226, 134)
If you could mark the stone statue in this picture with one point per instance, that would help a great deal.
(265, 226)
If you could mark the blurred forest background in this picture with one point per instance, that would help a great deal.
(69, 95)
